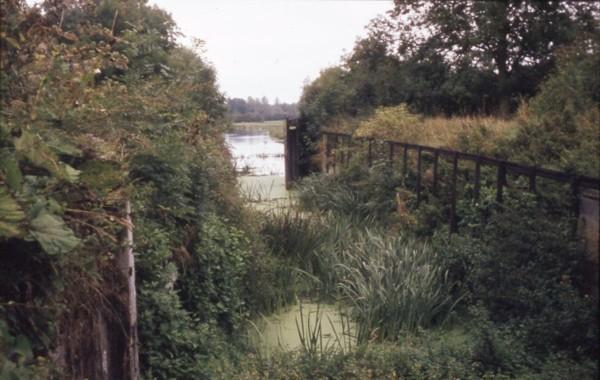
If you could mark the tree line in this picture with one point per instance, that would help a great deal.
(258, 110)
(452, 58)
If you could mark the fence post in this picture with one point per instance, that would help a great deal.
(370, 153)
(391, 153)
(419, 153)
(575, 202)
(127, 267)
(324, 158)
(453, 224)
(500, 181)
(532, 184)
(405, 162)
(335, 153)
(477, 178)
(349, 149)
(436, 156)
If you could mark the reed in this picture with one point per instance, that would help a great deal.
(394, 285)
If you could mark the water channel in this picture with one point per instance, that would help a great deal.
(259, 160)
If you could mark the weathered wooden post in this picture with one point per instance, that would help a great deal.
(127, 266)
(436, 156)
(588, 227)
(291, 152)
(370, 153)
(453, 223)
(500, 181)
(532, 180)
(405, 162)
(477, 188)
(419, 154)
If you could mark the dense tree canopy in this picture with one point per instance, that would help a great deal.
(452, 57)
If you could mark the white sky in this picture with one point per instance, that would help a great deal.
(269, 47)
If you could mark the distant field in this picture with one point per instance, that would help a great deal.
(275, 128)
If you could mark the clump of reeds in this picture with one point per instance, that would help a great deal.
(394, 285)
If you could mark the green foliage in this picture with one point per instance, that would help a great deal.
(10, 215)
(52, 233)
(175, 343)
(94, 114)
(476, 58)
(523, 265)
(363, 194)
(394, 285)
(17, 360)
(211, 283)
(560, 127)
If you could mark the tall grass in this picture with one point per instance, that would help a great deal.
(394, 285)
(309, 243)
(476, 134)
(367, 197)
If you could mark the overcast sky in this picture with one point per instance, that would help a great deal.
(269, 47)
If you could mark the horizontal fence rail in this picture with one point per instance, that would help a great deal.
(334, 140)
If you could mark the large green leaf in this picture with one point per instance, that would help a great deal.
(59, 143)
(53, 234)
(30, 146)
(10, 168)
(11, 215)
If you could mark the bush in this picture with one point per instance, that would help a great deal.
(525, 267)
(210, 283)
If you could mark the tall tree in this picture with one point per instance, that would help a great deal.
(513, 39)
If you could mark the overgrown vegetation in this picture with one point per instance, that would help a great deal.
(100, 106)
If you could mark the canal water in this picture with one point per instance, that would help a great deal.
(259, 160)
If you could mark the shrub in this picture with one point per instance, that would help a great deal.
(210, 283)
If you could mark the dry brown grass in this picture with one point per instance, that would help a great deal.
(472, 134)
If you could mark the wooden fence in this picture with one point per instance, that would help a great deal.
(336, 152)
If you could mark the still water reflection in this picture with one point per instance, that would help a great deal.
(256, 154)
